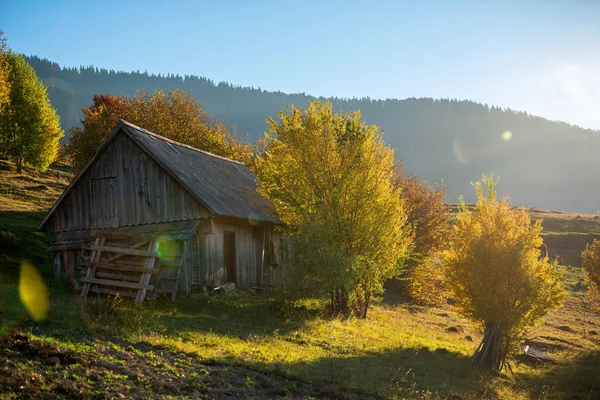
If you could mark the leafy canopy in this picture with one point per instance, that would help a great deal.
(494, 268)
(591, 265)
(29, 126)
(427, 212)
(4, 72)
(177, 115)
(330, 178)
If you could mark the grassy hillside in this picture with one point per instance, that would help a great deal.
(24, 200)
(244, 345)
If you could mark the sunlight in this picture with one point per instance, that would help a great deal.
(506, 136)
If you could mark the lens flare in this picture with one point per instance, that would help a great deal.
(33, 291)
(459, 153)
(253, 219)
(506, 136)
(164, 241)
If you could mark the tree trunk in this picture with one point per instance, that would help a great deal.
(339, 301)
(332, 302)
(492, 351)
(366, 306)
(19, 163)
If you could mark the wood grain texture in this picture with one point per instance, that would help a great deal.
(124, 187)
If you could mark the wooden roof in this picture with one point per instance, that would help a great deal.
(224, 186)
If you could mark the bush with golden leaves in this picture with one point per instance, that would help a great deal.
(591, 266)
(495, 273)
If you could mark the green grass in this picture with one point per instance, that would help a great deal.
(401, 350)
(24, 200)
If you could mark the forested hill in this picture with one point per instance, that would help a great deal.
(542, 163)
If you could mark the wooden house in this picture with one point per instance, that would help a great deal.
(200, 207)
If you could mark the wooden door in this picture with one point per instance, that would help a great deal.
(229, 256)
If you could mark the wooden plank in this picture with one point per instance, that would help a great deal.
(145, 280)
(122, 267)
(122, 293)
(108, 282)
(108, 275)
(125, 262)
(91, 270)
(134, 246)
(58, 273)
(111, 234)
(128, 251)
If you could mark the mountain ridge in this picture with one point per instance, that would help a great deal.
(542, 163)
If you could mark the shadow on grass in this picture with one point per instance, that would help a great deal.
(577, 379)
(397, 373)
(237, 315)
(21, 219)
(19, 240)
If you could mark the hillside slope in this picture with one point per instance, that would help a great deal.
(244, 345)
(546, 164)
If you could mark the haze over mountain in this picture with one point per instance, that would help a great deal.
(542, 163)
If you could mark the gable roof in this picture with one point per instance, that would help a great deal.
(226, 187)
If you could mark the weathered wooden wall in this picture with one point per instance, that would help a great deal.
(258, 249)
(207, 253)
(275, 260)
(124, 187)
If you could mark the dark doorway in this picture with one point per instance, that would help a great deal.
(229, 256)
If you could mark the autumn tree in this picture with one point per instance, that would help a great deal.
(495, 272)
(591, 265)
(428, 215)
(4, 72)
(29, 126)
(177, 115)
(330, 178)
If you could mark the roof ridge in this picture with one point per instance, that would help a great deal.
(171, 141)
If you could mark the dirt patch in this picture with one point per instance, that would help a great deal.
(107, 368)
(38, 188)
(455, 329)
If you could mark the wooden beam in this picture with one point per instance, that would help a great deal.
(149, 263)
(108, 275)
(58, 270)
(128, 251)
(91, 270)
(112, 292)
(134, 246)
(121, 267)
(110, 234)
(108, 282)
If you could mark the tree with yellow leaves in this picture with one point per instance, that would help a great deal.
(591, 265)
(29, 126)
(330, 177)
(495, 272)
(4, 72)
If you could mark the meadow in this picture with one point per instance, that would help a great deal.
(247, 345)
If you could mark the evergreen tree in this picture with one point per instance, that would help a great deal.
(29, 126)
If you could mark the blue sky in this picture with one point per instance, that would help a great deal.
(538, 56)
